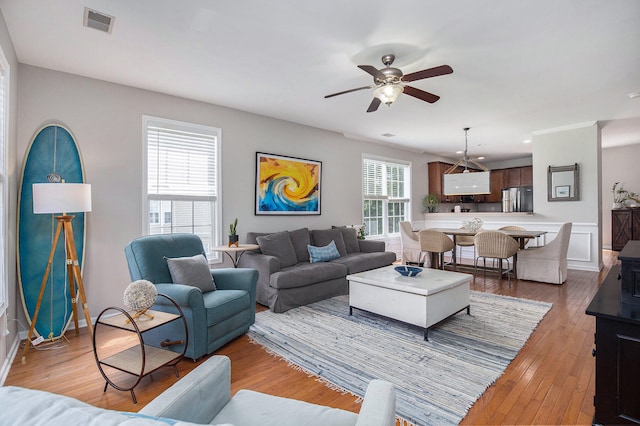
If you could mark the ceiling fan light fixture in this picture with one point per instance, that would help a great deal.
(388, 93)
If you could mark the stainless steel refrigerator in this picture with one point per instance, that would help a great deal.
(517, 199)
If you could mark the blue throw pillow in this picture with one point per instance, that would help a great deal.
(323, 254)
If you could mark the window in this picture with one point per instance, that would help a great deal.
(182, 180)
(4, 111)
(385, 192)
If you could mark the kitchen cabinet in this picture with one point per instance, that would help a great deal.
(496, 184)
(625, 226)
(518, 176)
(436, 171)
(499, 179)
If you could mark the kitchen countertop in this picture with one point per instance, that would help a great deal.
(448, 214)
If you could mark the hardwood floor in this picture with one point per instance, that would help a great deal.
(551, 381)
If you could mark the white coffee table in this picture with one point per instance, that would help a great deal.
(423, 300)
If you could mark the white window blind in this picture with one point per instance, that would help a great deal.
(183, 179)
(385, 191)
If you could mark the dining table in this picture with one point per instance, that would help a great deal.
(520, 235)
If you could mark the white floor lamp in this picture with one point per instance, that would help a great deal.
(60, 199)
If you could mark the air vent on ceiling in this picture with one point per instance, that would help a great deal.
(98, 20)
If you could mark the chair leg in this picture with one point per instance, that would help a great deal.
(475, 268)
(484, 270)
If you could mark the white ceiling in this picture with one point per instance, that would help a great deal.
(520, 66)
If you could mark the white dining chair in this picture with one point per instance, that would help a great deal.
(547, 264)
(411, 253)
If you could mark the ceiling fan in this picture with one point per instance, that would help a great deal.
(388, 83)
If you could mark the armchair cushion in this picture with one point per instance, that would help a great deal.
(278, 245)
(193, 271)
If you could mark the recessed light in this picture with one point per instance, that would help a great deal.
(459, 152)
(526, 141)
(633, 95)
(480, 158)
(388, 135)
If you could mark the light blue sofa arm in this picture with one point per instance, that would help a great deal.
(379, 405)
(238, 279)
(198, 396)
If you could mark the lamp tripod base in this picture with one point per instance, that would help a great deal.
(75, 281)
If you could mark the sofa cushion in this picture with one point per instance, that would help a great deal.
(300, 239)
(256, 408)
(322, 237)
(223, 304)
(304, 274)
(358, 262)
(193, 271)
(278, 245)
(323, 254)
(350, 237)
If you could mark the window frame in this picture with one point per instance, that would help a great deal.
(385, 197)
(216, 231)
(5, 79)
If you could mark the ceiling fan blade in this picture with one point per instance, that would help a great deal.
(373, 71)
(373, 106)
(431, 72)
(421, 94)
(347, 91)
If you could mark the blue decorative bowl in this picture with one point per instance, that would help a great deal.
(408, 271)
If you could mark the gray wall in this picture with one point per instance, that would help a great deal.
(619, 164)
(106, 120)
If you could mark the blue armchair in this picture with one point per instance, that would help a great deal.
(213, 318)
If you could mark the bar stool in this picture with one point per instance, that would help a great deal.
(435, 242)
(495, 245)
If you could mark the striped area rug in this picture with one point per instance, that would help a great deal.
(436, 381)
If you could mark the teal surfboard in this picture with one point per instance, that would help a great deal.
(52, 152)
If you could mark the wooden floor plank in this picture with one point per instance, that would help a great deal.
(551, 381)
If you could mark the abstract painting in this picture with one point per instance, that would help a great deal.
(287, 185)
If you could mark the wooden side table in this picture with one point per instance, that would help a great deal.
(236, 251)
(139, 359)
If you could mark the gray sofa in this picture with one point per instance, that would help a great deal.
(287, 278)
(202, 397)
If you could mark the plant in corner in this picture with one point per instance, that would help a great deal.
(430, 203)
(233, 235)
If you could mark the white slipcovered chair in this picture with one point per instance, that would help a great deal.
(411, 252)
(547, 264)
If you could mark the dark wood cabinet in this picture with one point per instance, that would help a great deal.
(518, 176)
(625, 226)
(617, 351)
(500, 178)
(496, 184)
(526, 176)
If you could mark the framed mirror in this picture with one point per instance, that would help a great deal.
(563, 183)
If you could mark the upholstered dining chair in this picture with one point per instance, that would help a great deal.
(547, 264)
(411, 253)
(436, 243)
(495, 245)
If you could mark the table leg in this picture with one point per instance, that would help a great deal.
(453, 253)
(234, 258)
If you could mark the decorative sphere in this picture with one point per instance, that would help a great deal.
(140, 295)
